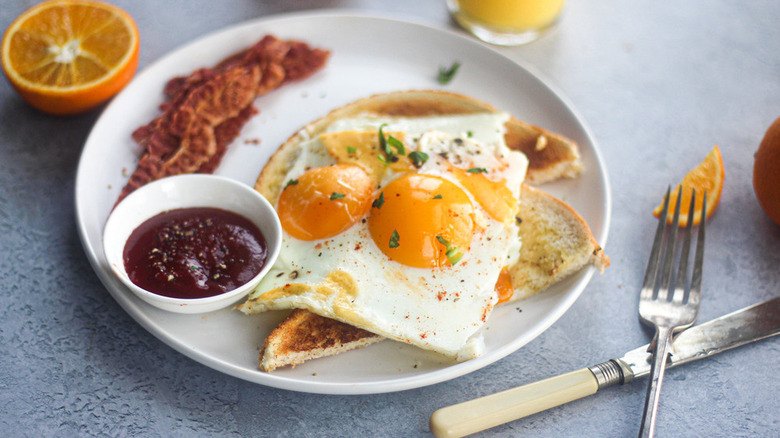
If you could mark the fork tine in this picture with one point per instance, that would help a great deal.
(648, 284)
(695, 293)
(682, 272)
(666, 274)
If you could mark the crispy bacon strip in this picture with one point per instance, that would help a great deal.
(207, 109)
(211, 104)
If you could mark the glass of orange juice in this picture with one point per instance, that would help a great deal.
(506, 22)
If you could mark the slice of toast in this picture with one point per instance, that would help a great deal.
(556, 243)
(304, 335)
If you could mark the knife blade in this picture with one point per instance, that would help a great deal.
(729, 331)
(738, 328)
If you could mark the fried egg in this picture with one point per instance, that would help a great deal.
(400, 226)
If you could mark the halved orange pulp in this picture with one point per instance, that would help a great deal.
(707, 176)
(68, 56)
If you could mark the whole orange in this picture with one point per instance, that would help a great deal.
(766, 172)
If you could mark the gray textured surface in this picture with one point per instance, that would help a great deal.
(658, 82)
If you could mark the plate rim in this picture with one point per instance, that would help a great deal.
(580, 280)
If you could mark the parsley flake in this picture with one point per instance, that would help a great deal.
(477, 170)
(437, 196)
(453, 254)
(446, 74)
(334, 196)
(291, 182)
(387, 144)
(418, 158)
(383, 141)
(396, 144)
(394, 239)
(378, 202)
(351, 150)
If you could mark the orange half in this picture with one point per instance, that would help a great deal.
(707, 176)
(68, 56)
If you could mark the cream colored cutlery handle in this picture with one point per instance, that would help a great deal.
(489, 411)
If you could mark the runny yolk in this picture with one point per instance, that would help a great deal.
(494, 196)
(324, 202)
(504, 287)
(415, 214)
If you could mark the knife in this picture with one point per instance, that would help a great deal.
(738, 328)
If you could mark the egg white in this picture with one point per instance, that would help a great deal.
(441, 309)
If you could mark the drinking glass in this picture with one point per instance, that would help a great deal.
(506, 22)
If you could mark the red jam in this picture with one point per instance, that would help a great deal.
(194, 252)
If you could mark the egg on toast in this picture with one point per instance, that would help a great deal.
(416, 244)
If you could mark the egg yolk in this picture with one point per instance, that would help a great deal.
(504, 287)
(494, 196)
(324, 202)
(422, 221)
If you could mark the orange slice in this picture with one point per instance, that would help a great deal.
(707, 176)
(68, 56)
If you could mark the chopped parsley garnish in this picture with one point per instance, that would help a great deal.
(470, 134)
(446, 74)
(437, 196)
(477, 170)
(396, 144)
(383, 144)
(387, 144)
(383, 140)
(291, 182)
(453, 254)
(394, 239)
(418, 158)
(351, 150)
(378, 202)
(334, 196)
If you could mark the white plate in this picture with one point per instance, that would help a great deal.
(369, 55)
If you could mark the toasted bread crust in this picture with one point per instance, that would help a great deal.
(550, 156)
(305, 335)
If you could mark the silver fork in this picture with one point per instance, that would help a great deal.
(666, 301)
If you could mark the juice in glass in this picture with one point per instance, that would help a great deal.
(506, 22)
